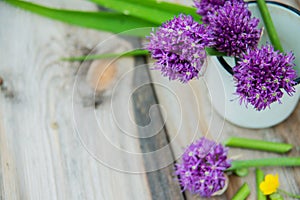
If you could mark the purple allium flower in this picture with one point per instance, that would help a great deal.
(261, 75)
(202, 168)
(232, 28)
(204, 7)
(178, 48)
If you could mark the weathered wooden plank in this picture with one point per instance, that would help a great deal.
(154, 142)
(42, 157)
(199, 119)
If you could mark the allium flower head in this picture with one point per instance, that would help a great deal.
(202, 168)
(262, 74)
(204, 7)
(178, 48)
(232, 28)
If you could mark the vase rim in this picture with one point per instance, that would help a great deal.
(280, 4)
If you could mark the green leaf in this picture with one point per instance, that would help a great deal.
(169, 7)
(105, 21)
(147, 9)
(137, 52)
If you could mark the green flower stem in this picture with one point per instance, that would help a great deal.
(241, 172)
(259, 178)
(242, 193)
(276, 196)
(288, 194)
(264, 11)
(137, 52)
(214, 52)
(265, 162)
(258, 145)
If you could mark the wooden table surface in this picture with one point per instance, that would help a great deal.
(64, 135)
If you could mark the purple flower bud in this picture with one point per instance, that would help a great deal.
(262, 75)
(201, 170)
(178, 48)
(232, 28)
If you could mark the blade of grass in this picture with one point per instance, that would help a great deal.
(138, 52)
(148, 10)
(112, 22)
(264, 11)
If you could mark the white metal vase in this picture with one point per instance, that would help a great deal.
(221, 85)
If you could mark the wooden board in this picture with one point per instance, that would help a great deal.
(197, 118)
(57, 140)
(64, 134)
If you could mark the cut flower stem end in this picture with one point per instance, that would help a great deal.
(242, 193)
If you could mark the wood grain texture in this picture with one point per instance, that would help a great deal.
(161, 181)
(199, 119)
(42, 155)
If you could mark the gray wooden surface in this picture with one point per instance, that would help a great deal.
(66, 134)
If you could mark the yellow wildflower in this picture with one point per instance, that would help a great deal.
(270, 184)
